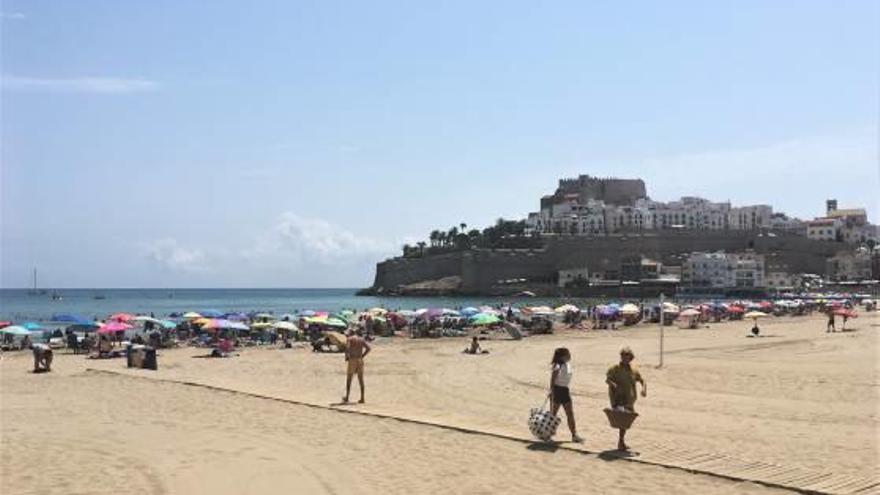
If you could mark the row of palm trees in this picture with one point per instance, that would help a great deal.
(504, 234)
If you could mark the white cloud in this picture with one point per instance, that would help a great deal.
(303, 241)
(168, 254)
(12, 15)
(105, 85)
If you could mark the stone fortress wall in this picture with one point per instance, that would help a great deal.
(481, 270)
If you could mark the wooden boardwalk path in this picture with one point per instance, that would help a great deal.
(707, 463)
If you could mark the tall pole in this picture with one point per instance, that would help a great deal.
(661, 330)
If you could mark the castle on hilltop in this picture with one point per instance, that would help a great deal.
(610, 190)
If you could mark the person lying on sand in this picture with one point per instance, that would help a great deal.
(356, 350)
(621, 380)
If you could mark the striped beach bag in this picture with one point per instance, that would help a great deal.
(542, 423)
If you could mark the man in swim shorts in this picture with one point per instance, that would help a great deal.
(356, 350)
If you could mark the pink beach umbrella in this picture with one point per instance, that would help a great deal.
(124, 317)
(114, 326)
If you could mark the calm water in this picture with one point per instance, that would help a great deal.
(18, 305)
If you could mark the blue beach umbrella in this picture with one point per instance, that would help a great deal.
(212, 313)
(31, 326)
(469, 311)
(68, 318)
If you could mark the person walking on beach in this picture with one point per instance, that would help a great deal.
(830, 326)
(356, 350)
(560, 378)
(621, 380)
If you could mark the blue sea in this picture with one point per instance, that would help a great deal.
(19, 305)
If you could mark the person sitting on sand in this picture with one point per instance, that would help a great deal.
(356, 349)
(621, 379)
(42, 358)
(475, 347)
(560, 378)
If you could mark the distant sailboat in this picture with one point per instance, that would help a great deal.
(34, 291)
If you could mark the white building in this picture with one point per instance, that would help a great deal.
(823, 229)
(722, 270)
(750, 217)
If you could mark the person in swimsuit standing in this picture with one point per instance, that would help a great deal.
(356, 350)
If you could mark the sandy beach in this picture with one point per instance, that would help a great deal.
(797, 398)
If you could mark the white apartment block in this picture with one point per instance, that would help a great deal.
(722, 270)
(689, 213)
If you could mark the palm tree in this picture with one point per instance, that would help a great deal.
(435, 237)
(462, 227)
(421, 245)
(451, 235)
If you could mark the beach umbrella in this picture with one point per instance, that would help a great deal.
(5, 323)
(755, 314)
(736, 309)
(201, 320)
(191, 315)
(689, 312)
(68, 318)
(166, 324)
(469, 311)
(264, 315)
(31, 326)
(235, 316)
(212, 313)
(262, 325)
(114, 326)
(125, 317)
(565, 308)
(846, 312)
(630, 309)
(377, 311)
(480, 319)
(286, 325)
(432, 313)
(670, 308)
(15, 330)
(540, 310)
(86, 326)
(307, 313)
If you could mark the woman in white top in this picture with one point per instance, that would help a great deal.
(559, 393)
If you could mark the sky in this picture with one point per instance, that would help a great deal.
(297, 143)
